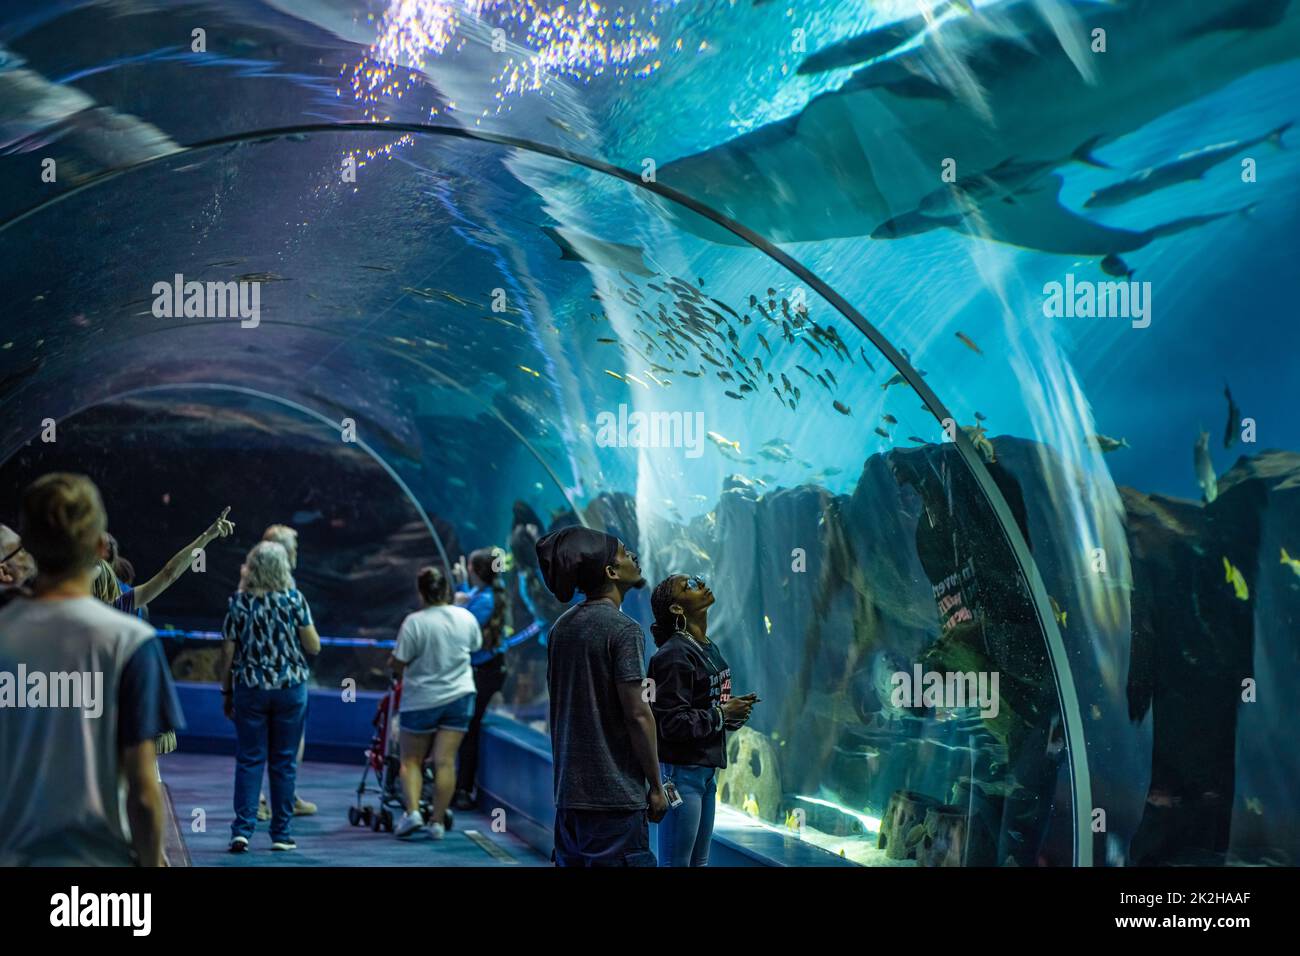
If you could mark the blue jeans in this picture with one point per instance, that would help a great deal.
(686, 832)
(267, 722)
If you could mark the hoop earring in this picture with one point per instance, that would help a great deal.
(681, 626)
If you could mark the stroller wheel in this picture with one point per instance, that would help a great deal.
(386, 820)
(377, 822)
(367, 817)
(354, 816)
(448, 819)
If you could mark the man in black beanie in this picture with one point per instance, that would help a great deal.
(602, 728)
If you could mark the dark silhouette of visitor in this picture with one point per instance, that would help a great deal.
(432, 658)
(77, 791)
(602, 728)
(694, 709)
(287, 538)
(484, 596)
(268, 634)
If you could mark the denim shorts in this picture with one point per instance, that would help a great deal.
(453, 715)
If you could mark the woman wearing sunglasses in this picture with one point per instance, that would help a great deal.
(694, 709)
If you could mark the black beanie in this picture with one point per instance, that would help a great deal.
(574, 554)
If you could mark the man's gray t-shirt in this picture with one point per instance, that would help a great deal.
(62, 789)
(591, 649)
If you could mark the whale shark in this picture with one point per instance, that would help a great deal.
(1018, 84)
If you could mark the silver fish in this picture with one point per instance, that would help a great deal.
(1205, 468)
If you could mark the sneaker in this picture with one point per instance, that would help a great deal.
(303, 808)
(284, 843)
(239, 844)
(437, 831)
(409, 824)
(263, 808)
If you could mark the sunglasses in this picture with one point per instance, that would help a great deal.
(695, 582)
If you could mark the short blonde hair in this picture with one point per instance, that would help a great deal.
(266, 568)
(286, 537)
(63, 524)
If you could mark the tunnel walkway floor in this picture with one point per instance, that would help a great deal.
(200, 781)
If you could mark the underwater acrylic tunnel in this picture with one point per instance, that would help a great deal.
(836, 307)
(1022, 626)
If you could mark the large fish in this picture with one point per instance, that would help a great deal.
(980, 89)
(1106, 444)
(913, 223)
(1234, 419)
(1186, 168)
(1041, 222)
(874, 43)
(577, 246)
(1002, 182)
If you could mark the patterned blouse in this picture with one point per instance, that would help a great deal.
(268, 653)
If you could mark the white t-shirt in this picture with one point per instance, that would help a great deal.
(435, 644)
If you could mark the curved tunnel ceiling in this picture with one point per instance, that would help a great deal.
(192, 389)
(467, 219)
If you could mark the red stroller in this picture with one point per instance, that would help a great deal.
(383, 759)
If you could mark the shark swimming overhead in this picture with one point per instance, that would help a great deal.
(1186, 168)
(868, 156)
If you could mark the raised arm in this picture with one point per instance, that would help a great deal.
(174, 568)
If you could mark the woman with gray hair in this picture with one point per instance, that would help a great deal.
(268, 635)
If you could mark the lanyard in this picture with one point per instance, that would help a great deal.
(708, 658)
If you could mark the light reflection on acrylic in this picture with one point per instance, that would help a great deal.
(578, 41)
